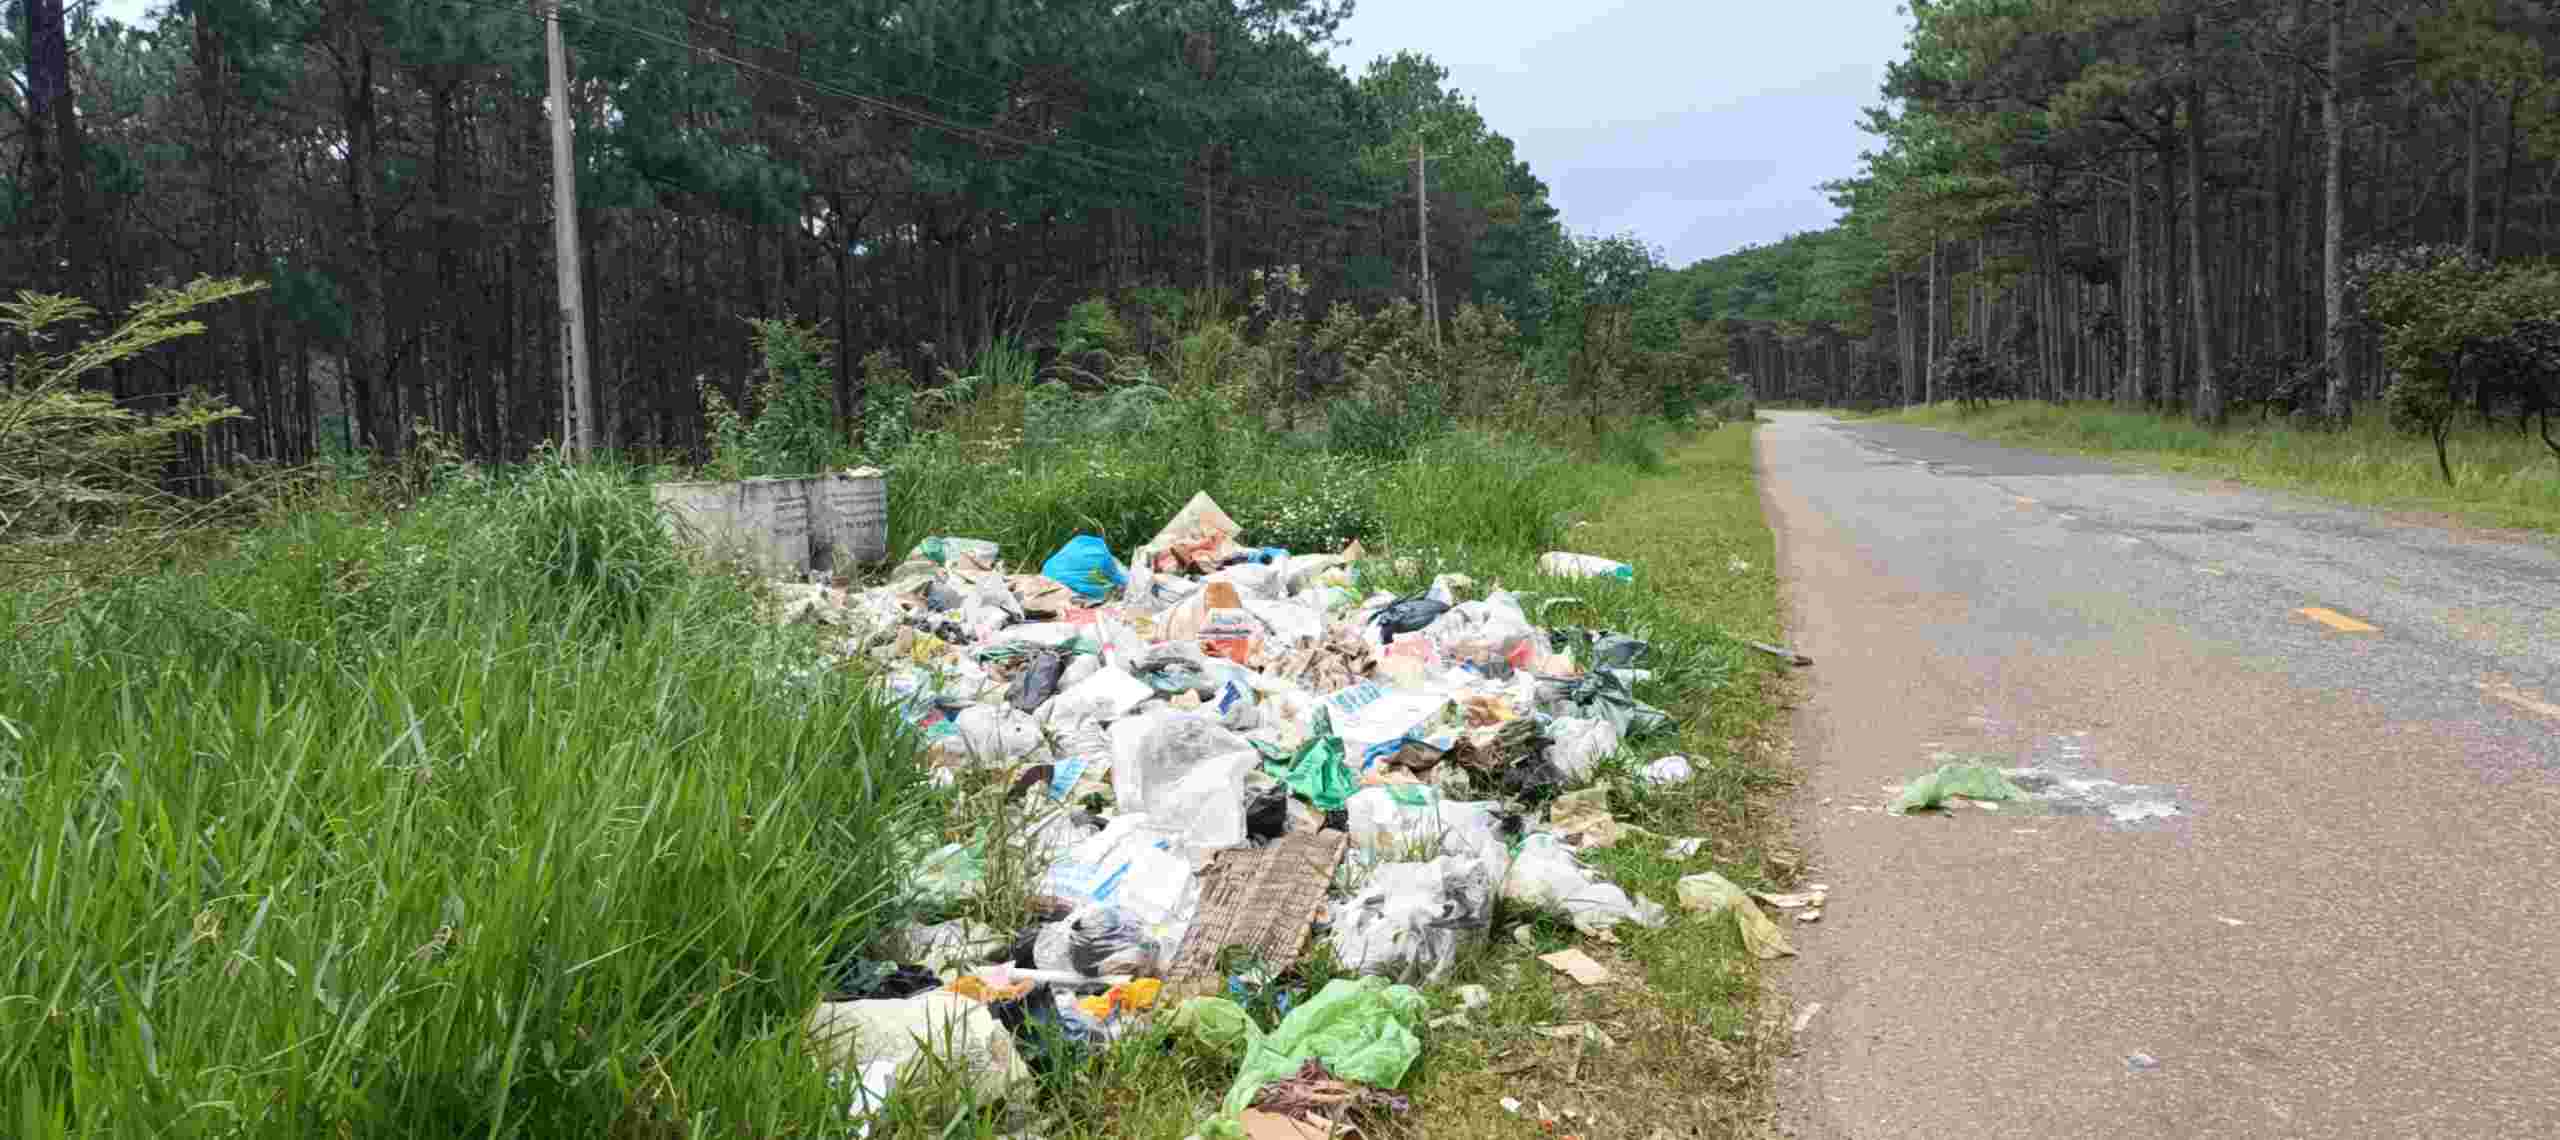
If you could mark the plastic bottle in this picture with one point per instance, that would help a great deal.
(1568, 565)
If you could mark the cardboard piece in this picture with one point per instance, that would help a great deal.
(1261, 898)
(1578, 966)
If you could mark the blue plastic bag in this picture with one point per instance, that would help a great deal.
(1086, 566)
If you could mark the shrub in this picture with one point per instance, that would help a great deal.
(73, 461)
(1089, 327)
(793, 431)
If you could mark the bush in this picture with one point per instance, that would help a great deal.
(1089, 327)
(793, 431)
(81, 493)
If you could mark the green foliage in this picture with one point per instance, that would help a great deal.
(81, 493)
(355, 830)
(1967, 374)
(1090, 326)
(2450, 323)
(1305, 503)
(793, 431)
(888, 404)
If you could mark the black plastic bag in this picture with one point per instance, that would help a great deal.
(866, 980)
(1409, 615)
(1266, 813)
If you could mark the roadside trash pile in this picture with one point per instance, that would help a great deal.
(1202, 760)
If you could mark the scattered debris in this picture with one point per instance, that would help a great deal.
(1955, 779)
(1577, 1031)
(1578, 966)
(905, 1034)
(1684, 848)
(2142, 1062)
(1812, 898)
(1260, 1125)
(1713, 893)
(1669, 770)
(1804, 1017)
(1474, 997)
(1782, 653)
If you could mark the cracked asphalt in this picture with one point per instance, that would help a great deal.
(2347, 928)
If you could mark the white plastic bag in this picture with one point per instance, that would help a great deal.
(1410, 920)
(992, 735)
(1669, 770)
(1290, 625)
(1104, 694)
(1161, 749)
(1579, 745)
(1408, 822)
(1546, 875)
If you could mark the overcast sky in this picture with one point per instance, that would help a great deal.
(1701, 125)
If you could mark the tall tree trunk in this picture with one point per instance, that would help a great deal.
(2280, 201)
(2506, 179)
(2166, 356)
(2208, 405)
(1938, 319)
(2471, 174)
(2137, 315)
(365, 358)
(2333, 241)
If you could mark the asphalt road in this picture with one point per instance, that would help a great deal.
(2348, 927)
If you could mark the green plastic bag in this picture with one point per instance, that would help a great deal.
(1972, 781)
(1361, 1028)
(1318, 772)
(1217, 1022)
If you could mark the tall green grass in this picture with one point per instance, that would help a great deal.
(486, 820)
(2502, 477)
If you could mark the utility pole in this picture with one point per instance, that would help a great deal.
(1422, 240)
(577, 394)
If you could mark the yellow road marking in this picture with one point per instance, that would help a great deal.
(2334, 620)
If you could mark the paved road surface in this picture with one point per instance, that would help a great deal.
(2349, 928)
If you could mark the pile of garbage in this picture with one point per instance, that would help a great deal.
(1217, 754)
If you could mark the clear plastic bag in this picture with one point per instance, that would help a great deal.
(1409, 922)
(1545, 874)
(1099, 939)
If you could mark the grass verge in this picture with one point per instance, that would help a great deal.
(486, 819)
(2501, 478)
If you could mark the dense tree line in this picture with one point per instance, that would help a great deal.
(2174, 203)
(919, 176)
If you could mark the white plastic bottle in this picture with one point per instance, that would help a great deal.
(1567, 565)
